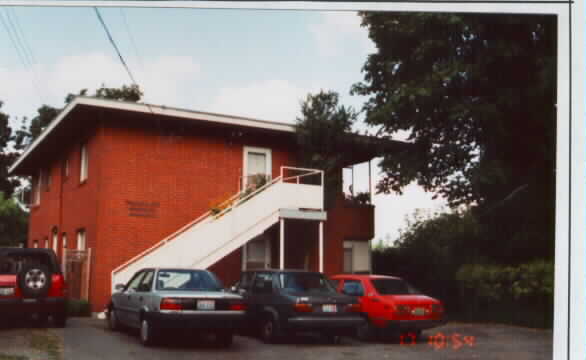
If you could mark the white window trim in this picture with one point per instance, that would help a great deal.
(83, 163)
(81, 240)
(37, 192)
(64, 242)
(35, 244)
(46, 243)
(55, 242)
(252, 149)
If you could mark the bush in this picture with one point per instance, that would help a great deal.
(79, 308)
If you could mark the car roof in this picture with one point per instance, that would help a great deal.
(282, 271)
(364, 277)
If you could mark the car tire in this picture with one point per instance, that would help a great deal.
(332, 339)
(34, 281)
(148, 334)
(224, 339)
(113, 323)
(366, 331)
(42, 320)
(60, 320)
(270, 330)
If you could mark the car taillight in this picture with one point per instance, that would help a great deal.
(402, 310)
(58, 287)
(303, 307)
(237, 307)
(437, 308)
(171, 304)
(353, 308)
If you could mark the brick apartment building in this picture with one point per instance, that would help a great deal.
(135, 184)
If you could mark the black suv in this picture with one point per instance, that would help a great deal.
(32, 283)
(283, 301)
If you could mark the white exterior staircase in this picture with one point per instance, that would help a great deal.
(211, 237)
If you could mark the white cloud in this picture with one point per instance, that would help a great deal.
(338, 31)
(275, 100)
(165, 80)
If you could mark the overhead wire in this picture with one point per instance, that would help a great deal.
(14, 39)
(113, 42)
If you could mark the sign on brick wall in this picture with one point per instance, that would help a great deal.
(142, 208)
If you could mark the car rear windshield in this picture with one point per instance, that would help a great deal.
(12, 263)
(190, 280)
(393, 287)
(305, 282)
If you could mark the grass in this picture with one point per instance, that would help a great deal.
(12, 357)
(46, 343)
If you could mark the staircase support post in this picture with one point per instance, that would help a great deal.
(282, 244)
(321, 246)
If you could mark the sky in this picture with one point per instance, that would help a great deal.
(254, 63)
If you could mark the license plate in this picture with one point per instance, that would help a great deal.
(6, 291)
(419, 312)
(206, 305)
(329, 308)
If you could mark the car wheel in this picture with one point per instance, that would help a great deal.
(366, 331)
(332, 339)
(269, 330)
(34, 280)
(42, 320)
(224, 339)
(60, 320)
(113, 320)
(148, 334)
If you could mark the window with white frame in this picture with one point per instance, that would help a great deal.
(64, 240)
(37, 190)
(55, 241)
(83, 169)
(357, 256)
(81, 240)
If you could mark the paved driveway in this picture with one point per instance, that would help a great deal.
(89, 339)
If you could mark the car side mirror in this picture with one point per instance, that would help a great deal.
(119, 287)
(233, 289)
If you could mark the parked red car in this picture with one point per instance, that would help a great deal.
(390, 305)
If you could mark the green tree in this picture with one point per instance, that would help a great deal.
(477, 95)
(323, 132)
(46, 114)
(7, 155)
(13, 222)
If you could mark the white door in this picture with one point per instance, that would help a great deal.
(257, 161)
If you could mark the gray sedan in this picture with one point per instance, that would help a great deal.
(176, 299)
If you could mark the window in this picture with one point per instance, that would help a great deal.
(37, 190)
(393, 287)
(55, 240)
(64, 237)
(35, 244)
(348, 260)
(196, 280)
(305, 282)
(147, 282)
(81, 241)
(46, 243)
(134, 282)
(353, 288)
(83, 169)
(66, 168)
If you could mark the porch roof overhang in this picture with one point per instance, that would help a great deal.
(76, 116)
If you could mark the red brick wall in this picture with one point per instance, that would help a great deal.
(68, 204)
(345, 222)
(184, 175)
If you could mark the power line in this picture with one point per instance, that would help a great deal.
(17, 29)
(21, 57)
(115, 46)
(118, 52)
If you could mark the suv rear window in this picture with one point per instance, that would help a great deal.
(393, 287)
(12, 263)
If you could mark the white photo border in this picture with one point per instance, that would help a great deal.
(570, 249)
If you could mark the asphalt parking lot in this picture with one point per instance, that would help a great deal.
(89, 339)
